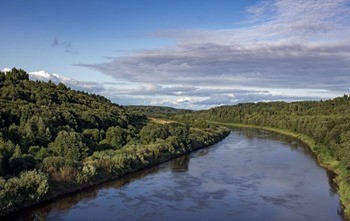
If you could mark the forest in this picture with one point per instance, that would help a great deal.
(156, 111)
(324, 123)
(54, 140)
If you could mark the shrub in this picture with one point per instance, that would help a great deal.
(28, 187)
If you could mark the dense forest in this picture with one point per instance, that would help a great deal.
(156, 111)
(54, 139)
(327, 123)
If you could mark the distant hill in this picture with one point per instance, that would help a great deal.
(156, 111)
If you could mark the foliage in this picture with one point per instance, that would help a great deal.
(29, 187)
(69, 145)
(53, 139)
(156, 111)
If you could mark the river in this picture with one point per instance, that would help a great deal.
(250, 175)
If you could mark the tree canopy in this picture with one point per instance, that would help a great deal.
(53, 138)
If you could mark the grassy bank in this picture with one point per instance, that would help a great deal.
(324, 157)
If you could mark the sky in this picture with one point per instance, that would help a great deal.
(182, 53)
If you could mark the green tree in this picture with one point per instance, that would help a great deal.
(115, 136)
(6, 151)
(69, 145)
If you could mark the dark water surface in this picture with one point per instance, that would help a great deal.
(251, 175)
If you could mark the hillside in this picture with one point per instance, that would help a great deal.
(156, 111)
(54, 140)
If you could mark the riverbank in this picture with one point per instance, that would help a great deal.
(138, 161)
(324, 158)
(212, 183)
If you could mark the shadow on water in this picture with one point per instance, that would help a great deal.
(66, 202)
(293, 143)
(180, 164)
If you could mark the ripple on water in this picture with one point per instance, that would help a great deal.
(251, 175)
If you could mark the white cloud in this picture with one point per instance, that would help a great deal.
(93, 87)
(6, 70)
(42, 75)
(183, 100)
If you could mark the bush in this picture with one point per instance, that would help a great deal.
(62, 170)
(69, 145)
(21, 163)
(28, 187)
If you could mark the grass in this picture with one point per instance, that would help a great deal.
(324, 158)
(161, 121)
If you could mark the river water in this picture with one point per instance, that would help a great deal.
(250, 175)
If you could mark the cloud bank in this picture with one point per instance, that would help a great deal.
(284, 44)
(191, 97)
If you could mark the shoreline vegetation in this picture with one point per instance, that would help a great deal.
(206, 140)
(54, 140)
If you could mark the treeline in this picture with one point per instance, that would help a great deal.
(156, 111)
(327, 122)
(54, 139)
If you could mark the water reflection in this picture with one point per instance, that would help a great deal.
(291, 142)
(180, 164)
(203, 152)
(64, 203)
(259, 134)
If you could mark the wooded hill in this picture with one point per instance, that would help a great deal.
(156, 111)
(54, 140)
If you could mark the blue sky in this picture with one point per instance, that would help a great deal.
(189, 54)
